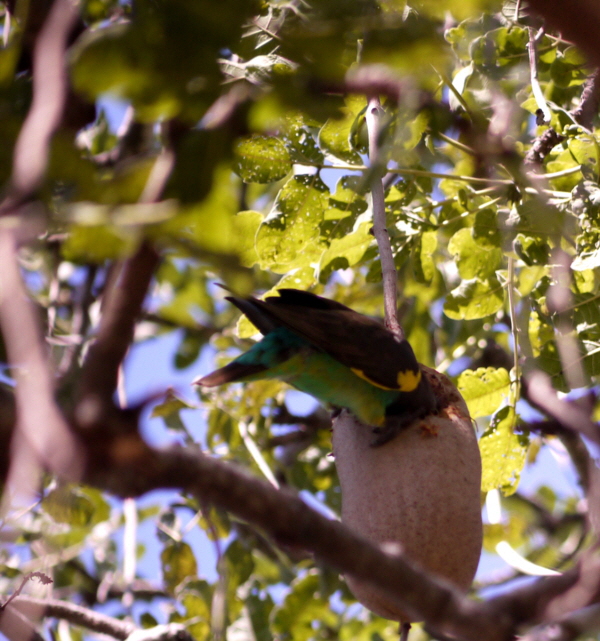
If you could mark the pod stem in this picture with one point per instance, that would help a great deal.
(403, 631)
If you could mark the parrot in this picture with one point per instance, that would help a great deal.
(335, 354)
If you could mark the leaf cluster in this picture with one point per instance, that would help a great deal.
(262, 107)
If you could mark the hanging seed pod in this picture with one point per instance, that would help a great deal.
(420, 491)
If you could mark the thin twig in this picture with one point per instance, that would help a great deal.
(256, 454)
(560, 301)
(512, 307)
(388, 268)
(43, 578)
(405, 171)
(79, 324)
(517, 10)
(535, 83)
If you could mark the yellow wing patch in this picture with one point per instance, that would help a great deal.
(407, 380)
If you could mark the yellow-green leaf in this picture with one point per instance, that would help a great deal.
(503, 453)
(474, 298)
(178, 563)
(261, 159)
(473, 260)
(484, 389)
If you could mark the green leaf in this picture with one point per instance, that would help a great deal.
(561, 72)
(245, 226)
(347, 251)
(473, 260)
(499, 49)
(503, 453)
(409, 45)
(76, 506)
(347, 200)
(259, 610)
(240, 564)
(532, 250)
(220, 428)
(584, 150)
(169, 410)
(423, 263)
(163, 59)
(408, 131)
(335, 134)
(484, 389)
(214, 225)
(300, 138)
(264, 68)
(303, 609)
(187, 301)
(147, 620)
(474, 298)
(587, 260)
(261, 159)
(289, 237)
(486, 232)
(538, 218)
(399, 195)
(99, 243)
(178, 564)
(196, 597)
(460, 82)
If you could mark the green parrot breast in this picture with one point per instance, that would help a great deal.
(288, 357)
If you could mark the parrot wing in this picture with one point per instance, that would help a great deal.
(357, 341)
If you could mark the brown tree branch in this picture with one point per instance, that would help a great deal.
(583, 114)
(75, 614)
(577, 20)
(288, 520)
(121, 312)
(572, 416)
(49, 92)
(123, 306)
(589, 102)
(17, 627)
(41, 429)
(568, 628)
(29, 607)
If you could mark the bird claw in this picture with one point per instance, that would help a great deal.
(392, 427)
(384, 434)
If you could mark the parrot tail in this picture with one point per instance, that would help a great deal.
(235, 371)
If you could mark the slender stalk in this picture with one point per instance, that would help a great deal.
(455, 143)
(535, 85)
(401, 171)
(388, 268)
(448, 82)
(404, 630)
(516, 383)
